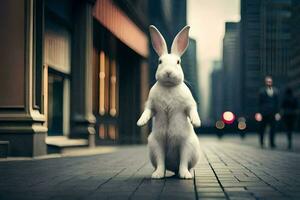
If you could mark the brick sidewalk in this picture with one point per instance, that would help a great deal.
(225, 171)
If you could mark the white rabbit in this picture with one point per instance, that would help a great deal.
(173, 144)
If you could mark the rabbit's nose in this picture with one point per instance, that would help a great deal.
(168, 74)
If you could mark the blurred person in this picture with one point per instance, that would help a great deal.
(268, 114)
(289, 107)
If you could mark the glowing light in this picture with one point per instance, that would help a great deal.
(242, 126)
(220, 125)
(228, 117)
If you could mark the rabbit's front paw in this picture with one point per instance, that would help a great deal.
(195, 120)
(185, 174)
(158, 174)
(144, 118)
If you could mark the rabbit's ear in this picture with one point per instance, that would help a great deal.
(158, 41)
(181, 41)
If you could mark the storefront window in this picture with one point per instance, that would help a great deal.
(108, 88)
(108, 97)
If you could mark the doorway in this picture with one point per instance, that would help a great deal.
(58, 103)
(55, 104)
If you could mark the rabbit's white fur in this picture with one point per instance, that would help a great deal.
(173, 144)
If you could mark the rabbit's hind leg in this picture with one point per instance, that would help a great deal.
(157, 157)
(187, 158)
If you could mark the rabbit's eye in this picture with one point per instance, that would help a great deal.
(159, 61)
(178, 62)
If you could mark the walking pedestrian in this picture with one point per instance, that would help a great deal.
(268, 113)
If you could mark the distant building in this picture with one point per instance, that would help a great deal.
(250, 54)
(275, 40)
(265, 47)
(294, 70)
(231, 68)
(217, 90)
(179, 15)
(190, 68)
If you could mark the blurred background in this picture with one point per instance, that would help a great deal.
(76, 73)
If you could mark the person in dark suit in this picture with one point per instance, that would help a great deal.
(289, 107)
(268, 113)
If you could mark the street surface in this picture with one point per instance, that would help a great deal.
(228, 169)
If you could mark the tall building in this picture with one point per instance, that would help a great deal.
(71, 70)
(231, 68)
(294, 70)
(265, 43)
(250, 54)
(179, 15)
(190, 68)
(275, 40)
(46, 73)
(217, 90)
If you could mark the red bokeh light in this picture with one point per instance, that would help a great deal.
(228, 117)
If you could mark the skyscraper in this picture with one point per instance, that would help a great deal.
(275, 40)
(216, 108)
(231, 68)
(250, 54)
(294, 69)
(190, 68)
(265, 43)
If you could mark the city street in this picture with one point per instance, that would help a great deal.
(227, 170)
(83, 83)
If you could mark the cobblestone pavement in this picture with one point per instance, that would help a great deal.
(226, 171)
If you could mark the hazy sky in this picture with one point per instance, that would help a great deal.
(207, 20)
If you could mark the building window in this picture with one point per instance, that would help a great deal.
(108, 96)
(108, 87)
(58, 103)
